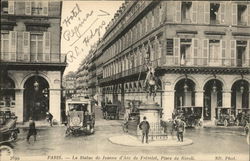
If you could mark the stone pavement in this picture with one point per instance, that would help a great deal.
(129, 140)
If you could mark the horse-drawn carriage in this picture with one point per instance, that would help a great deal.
(191, 115)
(111, 111)
(8, 129)
(80, 116)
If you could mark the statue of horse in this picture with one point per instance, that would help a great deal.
(150, 84)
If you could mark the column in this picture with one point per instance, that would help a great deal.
(238, 100)
(199, 98)
(168, 104)
(19, 104)
(213, 103)
(226, 98)
(55, 104)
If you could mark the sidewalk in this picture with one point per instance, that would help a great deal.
(129, 140)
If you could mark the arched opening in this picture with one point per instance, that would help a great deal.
(212, 98)
(7, 92)
(240, 95)
(36, 98)
(184, 93)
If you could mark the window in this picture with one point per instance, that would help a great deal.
(214, 51)
(4, 6)
(36, 47)
(241, 52)
(242, 14)
(4, 46)
(186, 11)
(170, 47)
(186, 51)
(36, 8)
(214, 13)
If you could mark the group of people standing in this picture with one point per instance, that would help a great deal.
(171, 126)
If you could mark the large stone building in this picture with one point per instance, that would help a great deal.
(200, 50)
(69, 85)
(31, 62)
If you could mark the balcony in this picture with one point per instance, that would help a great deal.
(19, 57)
(54, 61)
(195, 63)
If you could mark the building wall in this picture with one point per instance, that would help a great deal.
(159, 28)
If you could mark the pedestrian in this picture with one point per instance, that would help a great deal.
(49, 118)
(144, 126)
(180, 128)
(32, 130)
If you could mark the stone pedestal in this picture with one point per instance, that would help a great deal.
(152, 112)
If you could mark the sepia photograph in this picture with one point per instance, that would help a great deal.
(125, 80)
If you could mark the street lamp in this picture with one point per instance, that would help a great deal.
(214, 88)
(242, 87)
(185, 86)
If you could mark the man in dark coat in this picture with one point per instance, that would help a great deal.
(180, 127)
(49, 118)
(144, 126)
(32, 130)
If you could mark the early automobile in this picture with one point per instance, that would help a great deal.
(8, 130)
(112, 111)
(191, 115)
(80, 116)
(225, 116)
(243, 116)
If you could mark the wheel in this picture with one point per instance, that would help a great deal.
(13, 135)
(67, 133)
(225, 123)
(5, 151)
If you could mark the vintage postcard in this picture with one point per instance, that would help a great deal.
(129, 80)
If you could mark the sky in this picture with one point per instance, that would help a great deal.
(83, 23)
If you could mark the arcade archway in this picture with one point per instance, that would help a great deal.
(240, 94)
(184, 93)
(36, 98)
(212, 98)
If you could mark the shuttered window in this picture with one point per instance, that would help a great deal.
(26, 46)
(170, 47)
(13, 45)
(46, 46)
(176, 50)
(5, 46)
(194, 12)
(36, 48)
(205, 51)
(11, 7)
(233, 52)
(28, 8)
(223, 52)
(234, 14)
(222, 13)
(177, 11)
(206, 12)
(195, 46)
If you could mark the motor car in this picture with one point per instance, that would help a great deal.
(8, 130)
(191, 115)
(80, 116)
(243, 116)
(112, 111)
(225, 116)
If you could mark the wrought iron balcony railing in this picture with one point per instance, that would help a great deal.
(33, 58)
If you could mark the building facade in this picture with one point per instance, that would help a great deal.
(31, 62)
(69, 85)
(200, 50)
